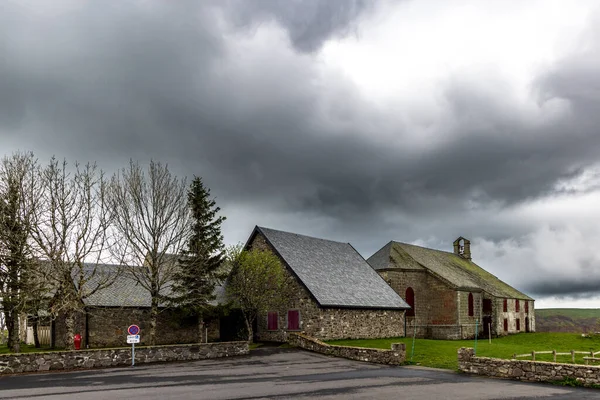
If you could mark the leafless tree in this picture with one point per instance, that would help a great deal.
(153, 222)
(72, 234)
(18, 180)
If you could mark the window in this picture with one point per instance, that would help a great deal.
(505, 308)
(517, 305)
(272, 321)
(526, 306)
(487, 306)
(471, 308)
(518, 324)
(293, 320)
(410, 299)
(505, 324)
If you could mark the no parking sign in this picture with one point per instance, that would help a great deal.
(133, 330)
(133, 338)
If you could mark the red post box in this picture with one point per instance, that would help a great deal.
(77, 340)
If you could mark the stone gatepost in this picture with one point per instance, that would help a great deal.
(465, 354)
(400, 347)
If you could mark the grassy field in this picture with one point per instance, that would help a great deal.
(443, 353)
(567, 320)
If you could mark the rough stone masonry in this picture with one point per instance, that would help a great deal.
(525, 370)
(83, 359)
(395, 356)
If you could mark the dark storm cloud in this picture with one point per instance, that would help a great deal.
(309, 23)
(572, 289)
(271, 130)
(157, 78)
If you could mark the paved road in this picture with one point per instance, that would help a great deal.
(275, 374)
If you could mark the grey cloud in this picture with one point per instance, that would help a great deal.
(309, 23)
(571, 289)
(274, 133)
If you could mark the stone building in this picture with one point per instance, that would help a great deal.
(338, 295)
(107, 313)
(450, 295)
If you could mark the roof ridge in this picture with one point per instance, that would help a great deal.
(300, 234)
(426, 248)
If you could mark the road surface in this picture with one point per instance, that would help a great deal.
(273, 373)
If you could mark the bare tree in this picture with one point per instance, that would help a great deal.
(153, 222)
(72, 234)
(18, 178)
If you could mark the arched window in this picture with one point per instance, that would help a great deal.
(410, 299)
(471, 308)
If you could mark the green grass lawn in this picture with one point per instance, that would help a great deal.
(443, 353)
(26, 349)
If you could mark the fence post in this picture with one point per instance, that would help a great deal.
(514, 356)
(533, 355)
(554, 355)
(573, 356)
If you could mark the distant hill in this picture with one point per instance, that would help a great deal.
(578, 320)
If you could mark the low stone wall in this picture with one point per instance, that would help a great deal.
(395, 356)
(100, 358)
(525, 370)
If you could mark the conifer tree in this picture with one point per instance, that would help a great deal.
(200, 261)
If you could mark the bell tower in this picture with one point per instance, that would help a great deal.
(462, 247)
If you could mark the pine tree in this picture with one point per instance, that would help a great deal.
(200, 261)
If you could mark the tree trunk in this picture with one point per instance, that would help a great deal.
(36, 338)
(69, 330)
(153, 319)
(12, 325)
(249, 328)
(201, 330)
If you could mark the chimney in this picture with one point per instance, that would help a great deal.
(462, 247)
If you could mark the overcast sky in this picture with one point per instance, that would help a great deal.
(354, 120)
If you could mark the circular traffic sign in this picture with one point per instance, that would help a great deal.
(133, 330)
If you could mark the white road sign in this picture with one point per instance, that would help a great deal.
(133, 338)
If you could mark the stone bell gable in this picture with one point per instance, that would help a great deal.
(450, 296)
(338, 295)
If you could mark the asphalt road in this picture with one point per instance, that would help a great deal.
(275, 374)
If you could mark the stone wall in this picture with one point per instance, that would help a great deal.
(512, 315)
(68, 360)
(328, 323)
(525, 370)
(436, 303)
(395, 356)
(468, 323)
(107, 326)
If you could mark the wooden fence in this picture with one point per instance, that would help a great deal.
(590, 355)
(43, 335)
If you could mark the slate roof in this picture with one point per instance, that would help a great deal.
(333, 272)
(459, 272)
(124, 292)
(127, 292)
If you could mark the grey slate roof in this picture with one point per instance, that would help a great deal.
(458, 271)
(333, 272)
(124, 292)
(127, 292)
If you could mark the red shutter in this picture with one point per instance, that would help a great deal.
(272, 321)
(410, 300)
(518, 324)
(517, 305)
(293, 320)
(526, 306)
(505, 305)
(505, 324)
(471, 306)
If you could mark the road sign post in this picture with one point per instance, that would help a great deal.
(133, 338)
